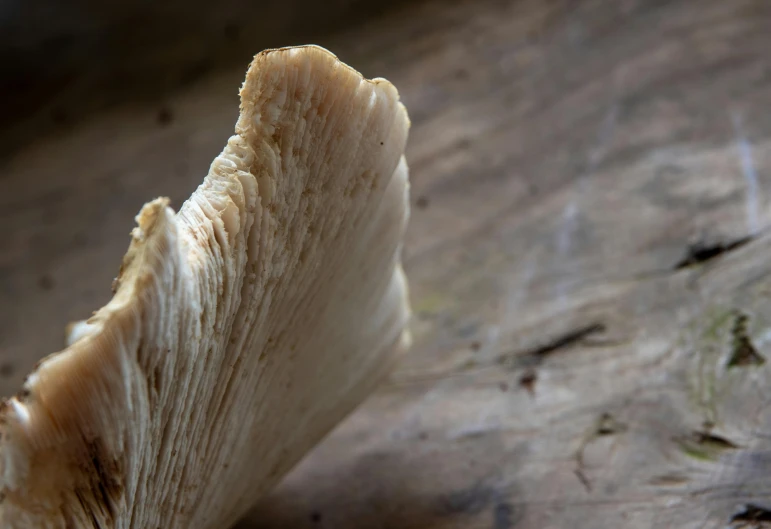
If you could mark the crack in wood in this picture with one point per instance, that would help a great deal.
(605, 425)
(705, 445)
(753, 516)
(743, 351)
(703, 251)
(535, 355)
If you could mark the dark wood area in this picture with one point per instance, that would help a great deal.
(64, 60)
(588, 254)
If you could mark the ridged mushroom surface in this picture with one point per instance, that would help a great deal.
(242, 329)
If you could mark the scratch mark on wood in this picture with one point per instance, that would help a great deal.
(701, 251)
(475, 430)
(570, 223)
(517, 290)
(716, 441)
(605, 425)
(750, 174)
(565, 235)
(567, 228)
(569, 339)
(527, 358)
(604, 137)
(704, 445)
(491, 340)
(534, 356)
(583, 479)
(517, 293)
(670, 480)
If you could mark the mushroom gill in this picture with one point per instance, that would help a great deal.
(242, 328)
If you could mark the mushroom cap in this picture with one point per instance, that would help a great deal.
(242, 328)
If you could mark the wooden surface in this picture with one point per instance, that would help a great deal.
(64, 60)
(588, 259)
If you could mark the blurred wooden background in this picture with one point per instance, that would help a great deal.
(588, 252)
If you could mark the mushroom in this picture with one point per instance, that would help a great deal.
(242, 328)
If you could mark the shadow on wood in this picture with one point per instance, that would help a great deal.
(389, 490)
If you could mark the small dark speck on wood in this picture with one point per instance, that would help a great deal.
(232, 31)
(165, 117)
(608, 425)
(528, 379)
(6, 370)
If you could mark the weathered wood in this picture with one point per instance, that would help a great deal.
(577, 362)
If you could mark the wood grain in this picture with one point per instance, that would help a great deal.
(568, 158)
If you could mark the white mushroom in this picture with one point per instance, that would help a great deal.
(242, 329)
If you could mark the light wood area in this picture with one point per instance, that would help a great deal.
(588, 255)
